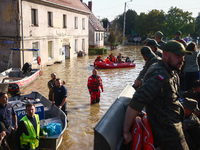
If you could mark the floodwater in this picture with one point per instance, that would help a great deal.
(81, 115)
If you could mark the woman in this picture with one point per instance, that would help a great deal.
(191, 66)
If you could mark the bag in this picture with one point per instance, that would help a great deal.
(53, 129)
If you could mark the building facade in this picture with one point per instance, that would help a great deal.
(59, 29)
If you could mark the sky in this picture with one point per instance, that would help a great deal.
(112, 8)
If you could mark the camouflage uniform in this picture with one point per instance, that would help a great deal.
(191, 127)
(51, 84)
(159, 95)
(146, 66)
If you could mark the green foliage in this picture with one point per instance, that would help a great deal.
(155, 20)
(97, 51)
(105, 22)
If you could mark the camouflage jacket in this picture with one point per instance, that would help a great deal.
(159, 95)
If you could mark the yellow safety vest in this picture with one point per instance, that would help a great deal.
(32, 138)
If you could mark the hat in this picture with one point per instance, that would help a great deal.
(119, 53)
(158, 34)
(145, 41)
(99, 56)
(178, 33)
(147, 52)
(190, 104)
(153, 43)
(176, 48)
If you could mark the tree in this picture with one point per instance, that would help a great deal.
(197, 26)
(177, 19)
(105, 22)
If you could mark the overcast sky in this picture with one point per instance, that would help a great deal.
(112, 8)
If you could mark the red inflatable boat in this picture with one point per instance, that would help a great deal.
(113, 65)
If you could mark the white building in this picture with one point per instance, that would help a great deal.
(58, 28)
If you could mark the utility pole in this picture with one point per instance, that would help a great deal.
(124, 26)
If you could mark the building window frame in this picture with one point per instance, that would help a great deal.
(35, 45)
(50, 50)
(34, 17)
(50, 19)
(75, 45)
(83, 44)
(64, 21)
(83, 23)
(75, 22)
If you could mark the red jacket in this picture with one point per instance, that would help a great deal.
(94, 83)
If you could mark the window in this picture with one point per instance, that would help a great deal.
(64, 21)
(102, 36)
(83, 44)
(83, 23)
(34, 17)
(50, 19)
(76, 46)
(50, 50)
(76, 23)
(35, 45)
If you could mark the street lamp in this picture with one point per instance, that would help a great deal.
(125, 18)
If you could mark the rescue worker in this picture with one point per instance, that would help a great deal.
(177, 37)
(110, 56)
(113, 59)
(159, 95)
(158, 36)
(107, 60)
(51, 84)
(29, 130)
(150, 58)
(94, 84)
(191, 124)
(119, 58)
(98, 58)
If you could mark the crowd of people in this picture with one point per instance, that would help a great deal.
(168, 88)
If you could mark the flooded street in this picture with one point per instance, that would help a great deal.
(81, 115)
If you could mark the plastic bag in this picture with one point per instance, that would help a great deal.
(53, 128)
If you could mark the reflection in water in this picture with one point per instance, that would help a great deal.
(81, 115)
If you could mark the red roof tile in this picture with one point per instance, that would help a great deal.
(76, 4)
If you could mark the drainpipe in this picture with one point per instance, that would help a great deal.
(22, 33)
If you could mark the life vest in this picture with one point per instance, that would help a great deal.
(147, 143)
(142, 137)
(136, 143)
(32, 138)
(114, 59)
(94, 83)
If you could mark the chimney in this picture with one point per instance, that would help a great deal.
(90, 5)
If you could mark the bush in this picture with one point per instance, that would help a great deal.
(97, 51)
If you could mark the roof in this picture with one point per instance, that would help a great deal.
(94, 21)
(73, 4)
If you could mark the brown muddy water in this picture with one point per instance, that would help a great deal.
(81, 115)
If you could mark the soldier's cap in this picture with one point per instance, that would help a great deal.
(158, 34)
(190, 104)
(146, 40)
(176, 48)
(178, 33)
(196, 84)
(147, 52)
(153, 43)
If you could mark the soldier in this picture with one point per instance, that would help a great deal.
(191, 124)
(177, 37)
(150, 58)
(154, 47)
(159, 95)
(158, 36)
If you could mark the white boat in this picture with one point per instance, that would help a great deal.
(47, 114)
(16, 76)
